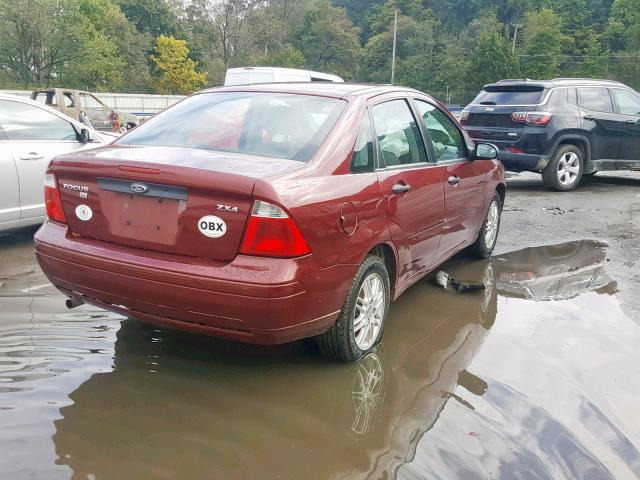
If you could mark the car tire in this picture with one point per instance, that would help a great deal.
(360, 325)
(565, 170)
(488, 234)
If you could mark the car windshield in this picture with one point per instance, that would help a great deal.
(267, 124)
(510, 95)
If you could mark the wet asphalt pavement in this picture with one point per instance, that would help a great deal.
(535, 376)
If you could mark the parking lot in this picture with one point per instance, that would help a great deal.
(534, 376)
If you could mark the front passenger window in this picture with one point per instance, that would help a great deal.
(448, 143)
(21, 121)
(628, 103)
(398, 134)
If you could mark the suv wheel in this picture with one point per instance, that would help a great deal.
(565, 169)
(361, 323)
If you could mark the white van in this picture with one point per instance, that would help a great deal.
(249, 75)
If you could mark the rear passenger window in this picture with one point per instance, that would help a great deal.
(596, 99)
(362, 160)
(398, 134)
(446, 138)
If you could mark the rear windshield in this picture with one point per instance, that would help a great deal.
(267, 124)
(510, 95)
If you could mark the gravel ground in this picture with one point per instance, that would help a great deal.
(605, 207)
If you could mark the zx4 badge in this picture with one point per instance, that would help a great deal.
(227, 208)
(212, 226)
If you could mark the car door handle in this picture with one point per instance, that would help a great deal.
(453, 180)
(588, 117)
(32, 156)
(632, 122)
(400, 188)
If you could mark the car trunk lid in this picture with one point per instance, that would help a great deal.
(174, 200)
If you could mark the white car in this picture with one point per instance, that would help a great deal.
(31, 134)
(251, 75)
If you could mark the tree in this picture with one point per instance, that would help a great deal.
(329, 41)
(542, 44)
(129, 45)
(415, 50)
(46, 40)
(156, 17)
(177, 71)
(491, 56)
(596, 60)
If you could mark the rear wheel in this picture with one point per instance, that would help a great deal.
(361, 322)
(488, 235)
(565, 169)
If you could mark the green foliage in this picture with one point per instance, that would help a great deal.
(177, 72)
(287, 56)
(43, 40)
(445, 47)
(542, 44)
(156, 17)
(492, 57)
(329, 41)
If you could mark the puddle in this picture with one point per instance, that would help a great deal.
(535, 376)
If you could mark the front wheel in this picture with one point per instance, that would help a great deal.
(488, 235)
(361, 322)
(564, 171)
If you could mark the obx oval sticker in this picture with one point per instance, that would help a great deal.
(212, 226)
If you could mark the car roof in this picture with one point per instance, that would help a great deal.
(556, 82)
(324, 89)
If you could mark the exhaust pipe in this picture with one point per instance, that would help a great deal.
(73, 302)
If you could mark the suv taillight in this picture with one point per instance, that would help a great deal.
(52, 200)
(272, 233)
(532, 118)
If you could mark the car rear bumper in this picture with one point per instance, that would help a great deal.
(520, 162)
(251, 299)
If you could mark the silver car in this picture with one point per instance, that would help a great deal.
(31, 134)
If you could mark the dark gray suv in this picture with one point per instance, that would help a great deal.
(564, 128)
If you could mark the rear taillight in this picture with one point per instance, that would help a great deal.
(532, 118)
(272, 233)
(52, 199)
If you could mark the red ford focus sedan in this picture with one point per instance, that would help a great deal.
(270, 213)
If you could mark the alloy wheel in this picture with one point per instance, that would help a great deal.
(568, 168)
(493, 220)
(369, 311)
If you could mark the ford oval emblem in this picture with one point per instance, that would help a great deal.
(139, 188)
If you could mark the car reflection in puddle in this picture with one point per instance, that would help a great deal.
(451, 393)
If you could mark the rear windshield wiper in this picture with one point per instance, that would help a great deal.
(487, 103)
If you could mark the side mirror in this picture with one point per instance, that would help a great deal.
(86, 136)
(485, 151)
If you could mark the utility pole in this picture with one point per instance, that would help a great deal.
(515, 37)
(393, 53)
